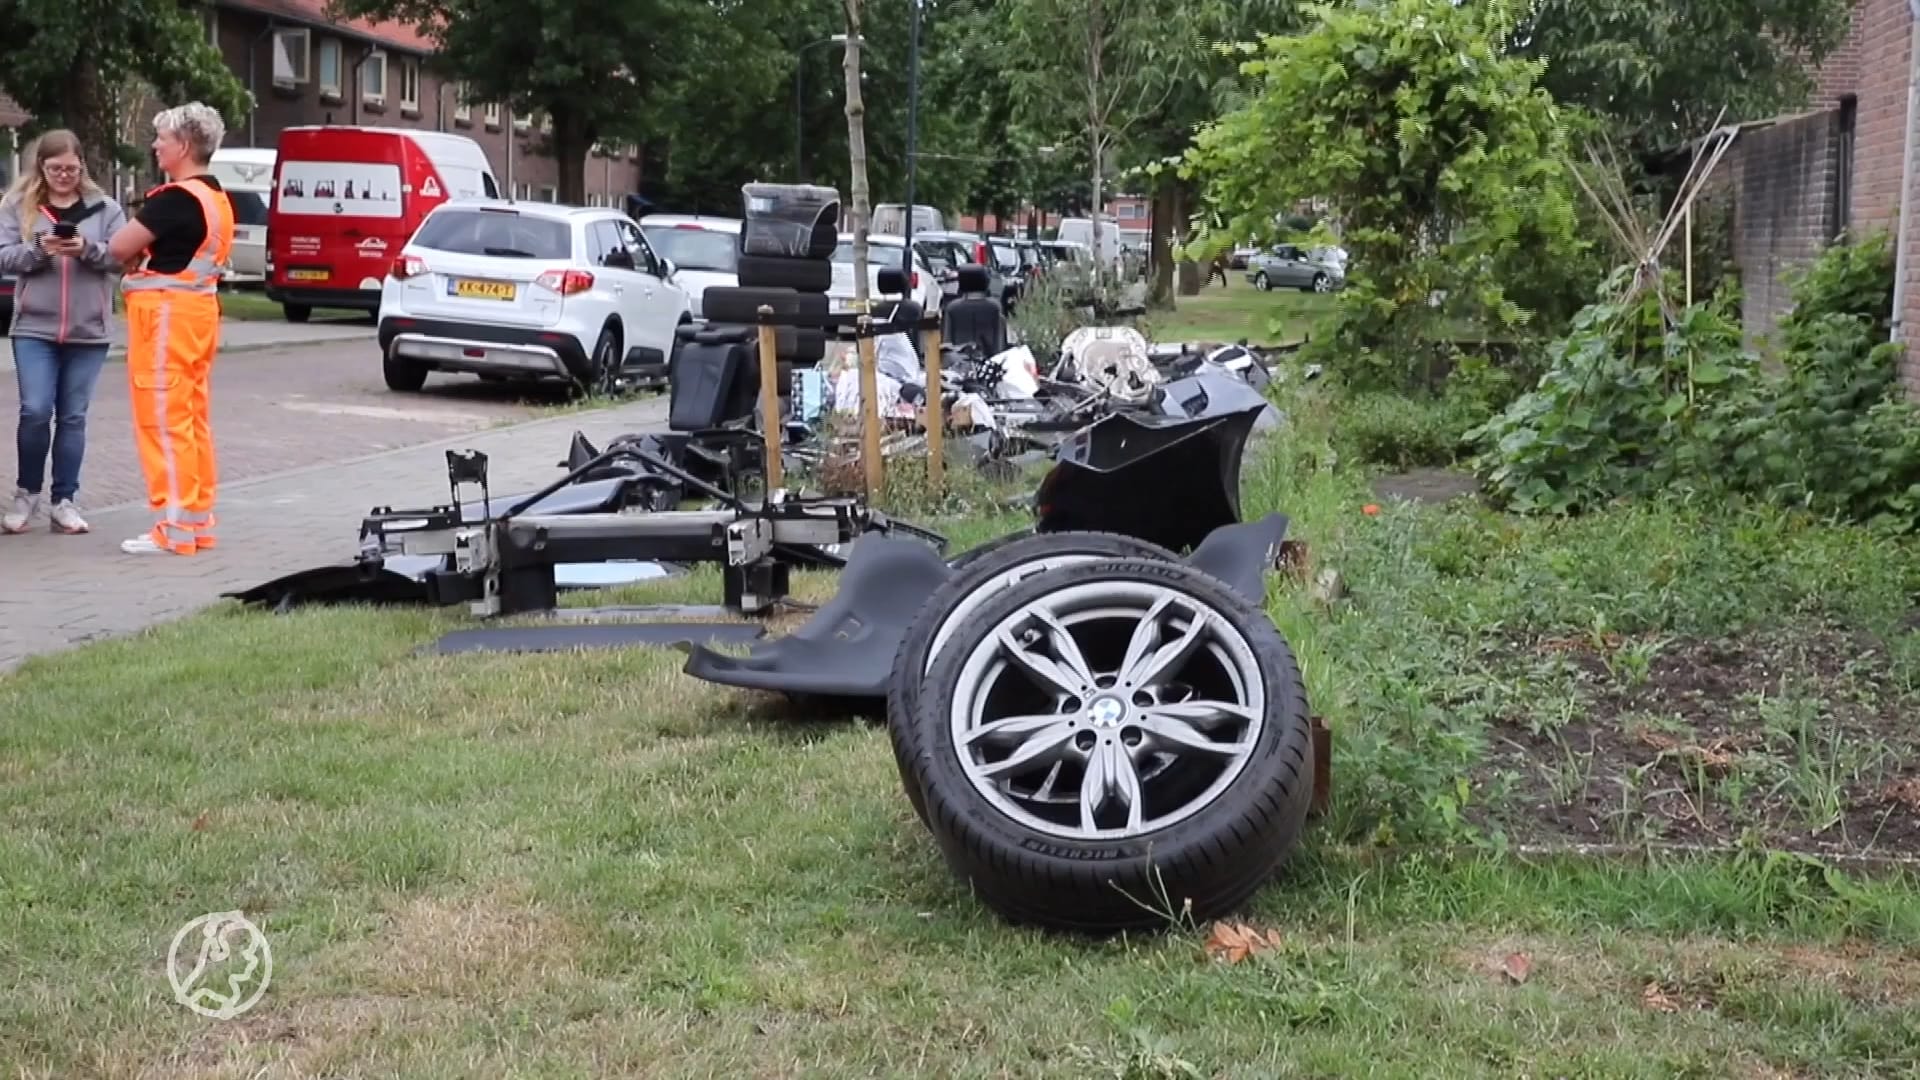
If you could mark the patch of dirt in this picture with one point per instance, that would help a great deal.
(1801, 739)
(1427, 485)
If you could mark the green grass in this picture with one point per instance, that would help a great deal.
(249, 305)
(595, 865)
(1239, 311)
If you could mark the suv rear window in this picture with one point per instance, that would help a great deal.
(496, 233)
(694, 248)
(249, 208)
(881, 255)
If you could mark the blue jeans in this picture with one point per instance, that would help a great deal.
(56, 385)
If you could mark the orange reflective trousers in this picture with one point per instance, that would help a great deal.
(173, 332)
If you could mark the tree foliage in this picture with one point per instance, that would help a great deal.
(1440, 152)
(1660, 72)
(63, 61)
(593, 67)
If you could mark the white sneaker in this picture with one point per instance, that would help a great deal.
(15, 520)
(66, 518)
(143, 545)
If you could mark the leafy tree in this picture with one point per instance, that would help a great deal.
(593, 67)
(1100, 68)
(1660, 72)
(1440, 152)
(64, 60)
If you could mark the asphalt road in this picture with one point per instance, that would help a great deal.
(280, 408)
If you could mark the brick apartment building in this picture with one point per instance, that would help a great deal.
(303, 67)
(1801, 181)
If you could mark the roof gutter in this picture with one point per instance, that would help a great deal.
(1900, 259)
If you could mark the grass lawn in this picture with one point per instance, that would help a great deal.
(1240, 311)
(595, 865)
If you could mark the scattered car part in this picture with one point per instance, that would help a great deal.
(540, 639)
(779, 272)
(1161, 479)
(1112, 745)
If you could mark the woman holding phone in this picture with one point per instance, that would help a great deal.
(54, 228)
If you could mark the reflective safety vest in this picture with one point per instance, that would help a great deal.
(209, 264)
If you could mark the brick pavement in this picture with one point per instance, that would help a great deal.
(281, 408)
(59, 591)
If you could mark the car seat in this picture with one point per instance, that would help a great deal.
(975, 319)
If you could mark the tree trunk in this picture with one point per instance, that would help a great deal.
(1093, 214)
(89, 115)
(857, 153)
(570, 142)
(1191, 274)
(1167, 232)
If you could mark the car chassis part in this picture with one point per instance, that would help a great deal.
(504, 565)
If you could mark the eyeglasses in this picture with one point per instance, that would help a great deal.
(62, 170)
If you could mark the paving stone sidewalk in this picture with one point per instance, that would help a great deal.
(243, 335)
(57, 592)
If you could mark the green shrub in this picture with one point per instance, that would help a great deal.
(1398, 432)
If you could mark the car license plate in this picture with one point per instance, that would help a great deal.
(306, 275)
(482, 290)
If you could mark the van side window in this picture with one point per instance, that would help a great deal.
(487, 185)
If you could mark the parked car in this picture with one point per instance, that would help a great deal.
(956, 249)
(705, 252)
(246, 175)
(346, 199)
(1004, 256)
(529, 291)
(882, 252)
(890, 219)
(1286, 266)
(1240, 256)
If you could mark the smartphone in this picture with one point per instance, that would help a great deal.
(65, 230)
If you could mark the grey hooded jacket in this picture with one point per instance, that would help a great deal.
(57, 298)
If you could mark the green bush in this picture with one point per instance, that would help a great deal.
(1398, 432)
(1634, 404)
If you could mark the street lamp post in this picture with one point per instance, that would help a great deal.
(799, 113)
(913, 125)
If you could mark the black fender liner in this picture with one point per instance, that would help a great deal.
(846, 649)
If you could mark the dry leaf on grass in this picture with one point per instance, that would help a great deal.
(1906, 793)
(1232, 942)
(1517, 967)
(1655, 997)
(200, 823)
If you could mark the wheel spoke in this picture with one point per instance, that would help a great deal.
(1066, 648)
(1145, 664)
(1047, 671)
(1013, 728)
(1204, 713)
(1042, 747)
(1167, 733)
(1110, 775)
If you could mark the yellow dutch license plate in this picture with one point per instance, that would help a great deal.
(306, 275)
(484, 290)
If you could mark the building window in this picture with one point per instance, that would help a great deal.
(491, 114)
(546, 124)
(373, 77)
(410, 85)
(290, 56)
(522, 192)
(522, 121)
(462, 106)
(330, 67)
(548, 194)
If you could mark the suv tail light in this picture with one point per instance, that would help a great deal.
(565, 282)
(407, 266)
(980, 254)
(913, 280)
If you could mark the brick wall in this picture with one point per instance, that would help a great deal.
(1785, 176)
(608, 177)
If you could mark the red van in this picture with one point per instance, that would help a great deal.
(347, 199)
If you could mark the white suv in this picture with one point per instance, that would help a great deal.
(705, 252)
(530, 291)
(882, 252)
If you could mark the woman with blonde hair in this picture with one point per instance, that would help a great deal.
(179, 245)
(54, 227)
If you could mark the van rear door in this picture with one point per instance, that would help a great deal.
(339, 213)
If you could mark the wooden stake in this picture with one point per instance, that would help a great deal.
(870, 411)
(770, 400)
(936, 414)
(1689, 254)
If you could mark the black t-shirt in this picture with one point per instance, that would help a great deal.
(177, 225)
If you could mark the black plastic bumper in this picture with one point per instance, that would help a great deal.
(367, 300)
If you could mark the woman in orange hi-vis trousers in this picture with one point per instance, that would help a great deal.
(178, 246)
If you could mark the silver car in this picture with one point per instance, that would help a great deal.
(1286, 266)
